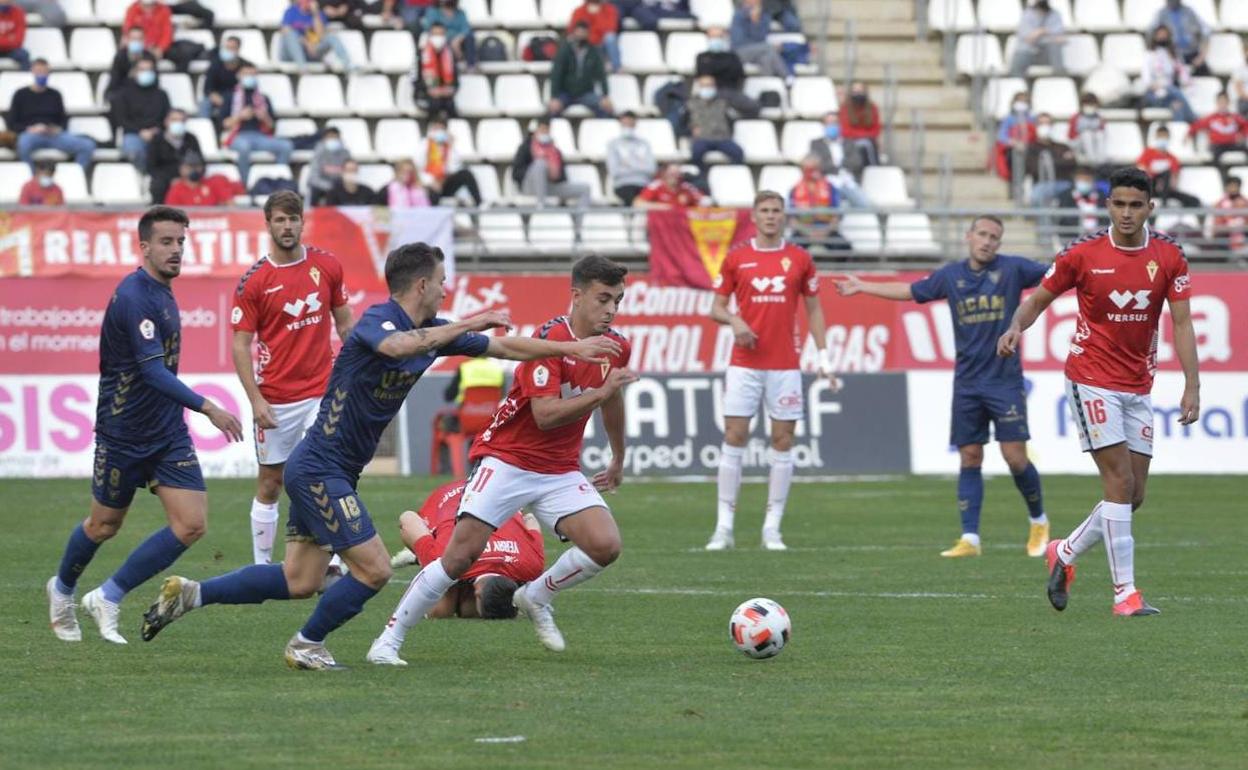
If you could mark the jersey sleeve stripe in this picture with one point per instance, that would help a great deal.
(242, 282)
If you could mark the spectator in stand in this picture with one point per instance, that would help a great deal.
(750, 27)
(42, 189)
(37, 115)
(167, 151)
(1040, 37)
(124, 60)
(1238, 85)
(349, 191)
(539, 170)
(1084, 196)
(1231, 228)
(442, 170)
(630, 161)
(50, 11)
(191, 189)
(438, 77)
(349, 13)
(1188, 31)
(783, 12)
(406, 192)
(156, 21)
(304, 36)
(404, 13)
(249, 123)
(816, 191)
(456, 28)
(1165, 75)
(648, 12)
(670, 190)
(860, 129)
(603, 19)
(1163, 168)
(139, 110)
(710, 125)
(723, 64)
(1050, 164)
(328, 158)
(1016, 132)
(221, 80)
(578, 75)
(13, 34)
(1227, 130)
(1086, 132)
(830, 152)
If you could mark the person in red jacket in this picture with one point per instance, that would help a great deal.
(1163, 168)
(1227, 130)
(1231, 227)
(603, 19)
(42, 189)
(13, 34)
(156, 21)
(860, 130)
(190, 188)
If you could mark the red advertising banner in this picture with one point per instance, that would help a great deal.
(687, 246)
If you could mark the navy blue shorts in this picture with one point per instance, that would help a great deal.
(325, 510)
(1005, 408)
(120, 469)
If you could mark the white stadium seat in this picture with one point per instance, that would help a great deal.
(682, 49)
(652, 85)
(1235, 15)
(498, 138)
(909, 234)
(10, 82)
(1206, 10)
(461, 133)
(73, 182)
(1124, 50)
(758, 139)
(259, 171)
(812, 96)
(370, 95)
(265, 13)
(515, 14)
(226, 13)
(517, 95)
(180, 90)
(116, 184)
(557, 13)
(502, 232)
(1139, 14)
(377, 176)
(251, 46)
(1080, 54)
(551, 231)
(731, 185)
(392, 51)
(979, 54)
(321, 96)
(1056, 96)
(593, 136)
(92, 48)
(561, 133)
(999, 95)
(796, 136)
(999, 15)
(1063, 9)
(47, 43)
(781, 179)
(862, 230)
(487, 182)
(606, 232)
(111, 12)
(950, 15)
(206, 133)
(1098, 16)
(658, 132)
(1202, 94)
(1226, 53)
(78, 12)
(625, 94)
(13, 174)
(1123, 141)
(477, 11)
(712, 13)
(95, 126)
(276, 87)
(474, 98)
(885, 186)
(396, 138)
(75, 90)
(1205, 182)
(641, 52)
(355, 136)
(758, 85)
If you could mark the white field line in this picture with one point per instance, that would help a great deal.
(941, 595)
(900, 547)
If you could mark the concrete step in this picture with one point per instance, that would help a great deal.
(877, 10)
(895, 51)
(924, 96)
(959, 119)
(875, 73)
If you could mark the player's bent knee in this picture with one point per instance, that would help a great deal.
(99, 530)
(604, 552)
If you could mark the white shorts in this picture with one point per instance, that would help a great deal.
(779, 389)
(274, 445)
(1106, 417)
(495, 490)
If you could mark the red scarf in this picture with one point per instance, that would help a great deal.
(812, 194)
(549, 153)
(258, 104)
(437, 68)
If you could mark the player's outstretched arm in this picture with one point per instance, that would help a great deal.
(552, 411)
(1185, 349)
(595, 350)
(852, 285)
(720, 314)
(1024, 317)
(609, 478)
(427, 339)
(261, 411)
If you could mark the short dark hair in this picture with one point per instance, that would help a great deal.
(496, 595)
(1084, 171)
(39, 61)
(437, 24)
(409, 263)
(594, 267)
(45, 165)
(988, 218)
(285, 201)
(538, 122)
(160, 214)
(233, 39)
(1162, 130)
(768, 195)
(1130, 176)
(1233, 179)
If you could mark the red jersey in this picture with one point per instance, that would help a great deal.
(769, 285)
(288, 308)
(514, 437)
(183, 193)
(1224, 128)
(1154, 161)
(513, 551)
(1120, 297)
(685, 194)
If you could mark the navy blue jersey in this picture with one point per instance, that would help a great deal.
(983, 303)
(366, 390)
(141, 323)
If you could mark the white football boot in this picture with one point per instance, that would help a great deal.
(384, 652)
(105, 614)
(402, 558)
(772, 541)
(721, 540)
(309, 656)
(61, 614)
(543, 618)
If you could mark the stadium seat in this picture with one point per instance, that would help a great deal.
(461, 132)
(79, 13)
(226, 13)
(75, 90)
(356, 137)
(1124, 50)
(227, 170)
(1098, 16)
(473, 98)
(1206, 10)
(1235, 15)
(95, 126)
(111, 12)
(999, 95)
(477, 11)
(712, 13)
(1056, 96)
(1080, 54)
(502, 232)
(291, 127)
(13, 174)
(979, 54)
(266, 14)
(73, 182)
(321, 96)
(796, 136)
(781, 179)
(518, 96)
(950, 15)
(116, 184)
(1202, 94)
(551, 231)
(259, 171)
(92, 48)
(370, 95)
(180, 90)
(909, 234)
(1226, 53)
(862, 230)
(625, 94)
(203, 37)
(731, 185)
(487, 182)
(1205, 182)
(1063, 9)
(515, 14)
(1237, 171)
(682, 49)
(10, 82)
(606, 232)
(557, 13)
(651, 86)
(392, 51)
(499, 138)
(47, 43)
(812, 96)
(377, 176)
(1139, 14)
(885, 186)
(357, 49)
(203, 130)
(756, 86)
(641, 52)
(593, 136)
(758, 139)
(1182, 146)
(1123, 141)
(999, 15)
(396, 138)
(251, 46)
(1108, 84)
(561, 133)
(276, 86)
(658, 132)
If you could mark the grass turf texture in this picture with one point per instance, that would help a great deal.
(900, 659)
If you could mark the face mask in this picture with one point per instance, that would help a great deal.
(707, 93)
(146, 78)
(135, 46)
(249, 82)
(1083, 187)
(832, 131)
(350, 179)
(438, 136)
(1020, 106)
(1162, 144)
(41, 80)
(858, 98)
(177, 128)
(437, 41)
(149, 2)
(593, 7)
(196, 175)
(544, 138)
(1161, 42)
(333, 145)
(717, 44)
(1044, 133)
(1089, 110)
(46, 181)
(227, 56)
(627, 132)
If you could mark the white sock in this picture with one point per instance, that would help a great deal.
(729, 484)
(778, 483)
(971, 537)
(1041, 519)
(263, 531)
(572, 568)
(421, 595)
(1084, 537)
(1116, 526)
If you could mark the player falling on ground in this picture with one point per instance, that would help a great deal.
(1122, 276)
(514, 555)
(284, 301)
(530, 457)
(140, 437)
(770, 278)
(983, 292)
(389, 349)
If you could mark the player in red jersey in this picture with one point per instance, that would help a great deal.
(514, 555)
(1122, 276)
(529, 457)
(770, 279)
(286, 300)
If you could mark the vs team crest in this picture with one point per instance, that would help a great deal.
(784, 264)
(1151, 267)
(315, 273)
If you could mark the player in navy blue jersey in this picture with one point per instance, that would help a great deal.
(983, 292)
(141, 439)
(386, 353)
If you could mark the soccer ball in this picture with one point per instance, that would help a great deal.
(760, 628)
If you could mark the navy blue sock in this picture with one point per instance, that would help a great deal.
(340, 603)
(1028, 483)
(151, 558)
(78, 554)
(970, 498)
(252, 584)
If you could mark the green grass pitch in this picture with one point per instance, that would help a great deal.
(900, 659)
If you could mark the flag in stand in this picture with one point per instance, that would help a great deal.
(688, 246)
